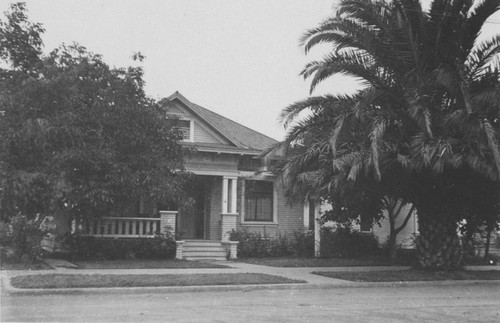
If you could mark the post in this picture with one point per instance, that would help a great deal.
(233, 195)
(168, 221)
(179, 249)
(228, 219)
(231, 249)
(225, 193)
(317, 232)
(228, 224)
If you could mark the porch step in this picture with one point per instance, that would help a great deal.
(203, 250)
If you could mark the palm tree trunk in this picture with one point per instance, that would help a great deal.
(438, 245)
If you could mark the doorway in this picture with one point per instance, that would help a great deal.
(194, 217)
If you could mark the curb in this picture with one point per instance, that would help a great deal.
(13, 291)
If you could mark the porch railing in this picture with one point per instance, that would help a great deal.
(127, 227)
(120, 227)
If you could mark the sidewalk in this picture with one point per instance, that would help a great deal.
(298, 273)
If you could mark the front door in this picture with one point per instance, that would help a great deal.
(192, 218)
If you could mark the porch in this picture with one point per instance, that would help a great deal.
(201, 228)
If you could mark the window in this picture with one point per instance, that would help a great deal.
(259, 200)
(184, 126)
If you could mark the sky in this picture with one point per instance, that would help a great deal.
(238, 58)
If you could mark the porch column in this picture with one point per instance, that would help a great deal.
(225, 194)
(168, 221)
(229, 200)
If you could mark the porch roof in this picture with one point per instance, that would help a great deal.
(225, 149)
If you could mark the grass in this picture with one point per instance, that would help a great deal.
(14, 264)
(329, 262)
(145, 264)
(411, 275)
(87, 281)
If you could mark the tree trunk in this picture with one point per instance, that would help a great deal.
(487, 245)
(393, 252)
(438, 245)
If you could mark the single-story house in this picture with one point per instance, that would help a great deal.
(232, 189)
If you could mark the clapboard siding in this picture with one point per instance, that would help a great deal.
(202, 135)
(290, 216)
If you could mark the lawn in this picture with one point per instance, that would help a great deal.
(145, 264)
(329, 262)
(10, 264)
(411, 275)
(86, 281)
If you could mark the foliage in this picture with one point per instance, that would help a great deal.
(23, 237)
(256, 245)
(87, 247)
(303, 243)
(346, 243)
(425, 127)
(5, 233)
(77, 136)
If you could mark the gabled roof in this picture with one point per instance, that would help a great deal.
(240, 136)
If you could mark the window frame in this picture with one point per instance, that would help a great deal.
(191, 129)
(274, 219)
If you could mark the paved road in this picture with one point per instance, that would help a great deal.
(455, 303)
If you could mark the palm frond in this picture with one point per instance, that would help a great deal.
(335, 135)
(340, 64)
(291, 112)
(491, 136)
(481, 56)
(476, 20)
(422, 116)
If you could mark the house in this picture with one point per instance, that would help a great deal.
(232, 189)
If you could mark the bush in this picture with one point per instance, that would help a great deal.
(256, 245)
(304, 243)
(5, 233)
(23, 237)
(84, 248)
(345, 243)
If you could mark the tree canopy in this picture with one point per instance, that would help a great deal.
(77, 135)
(425, 128)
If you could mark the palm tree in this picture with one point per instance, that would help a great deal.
(427, 121)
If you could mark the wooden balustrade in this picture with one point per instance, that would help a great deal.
(120, 227)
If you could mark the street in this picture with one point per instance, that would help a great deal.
(447, 303)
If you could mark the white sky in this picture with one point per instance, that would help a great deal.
(239, 58)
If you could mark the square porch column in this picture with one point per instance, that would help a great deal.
(168, 221)
(229, 200)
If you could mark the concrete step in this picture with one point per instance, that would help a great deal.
(202, 244)
(204, 250)
(206, 258)
(200, 248)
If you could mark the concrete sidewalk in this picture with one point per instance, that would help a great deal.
(297, 273)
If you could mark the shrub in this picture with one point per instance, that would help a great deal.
(5, 233)
(83, 247)
(256, 245)
(304, 243)
(24, 237)
(345, 243)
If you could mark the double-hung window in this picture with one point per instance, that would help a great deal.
(259, 201)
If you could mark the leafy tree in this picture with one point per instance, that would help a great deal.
(427, 120)
(77, 137)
